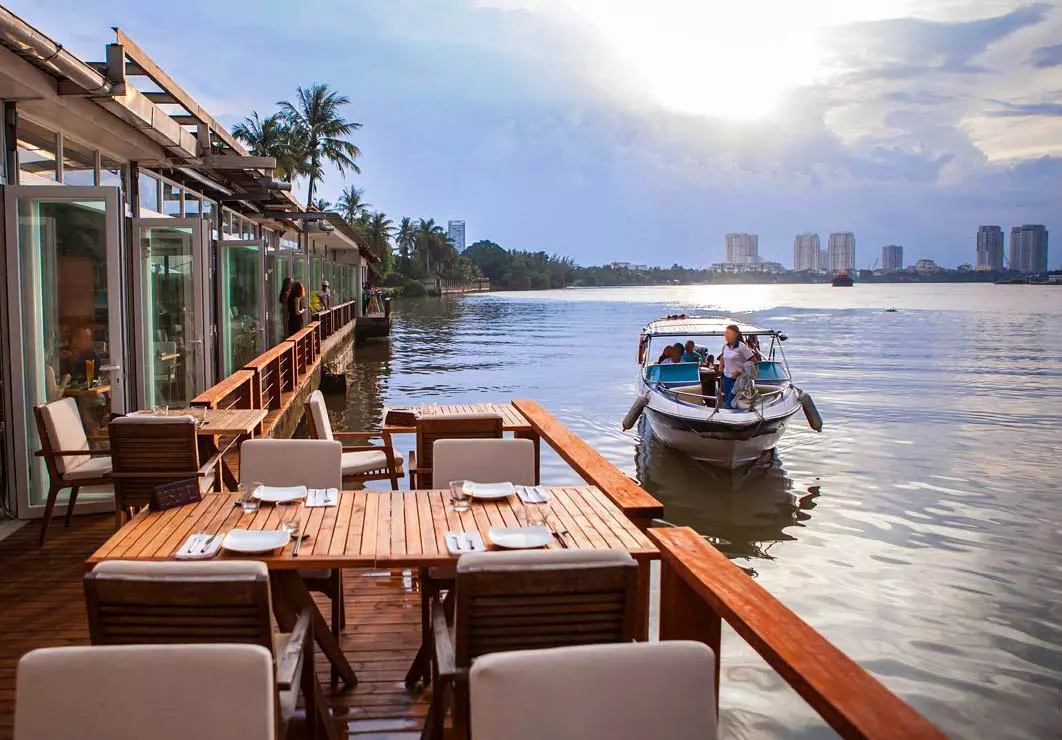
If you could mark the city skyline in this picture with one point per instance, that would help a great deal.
(456, 231)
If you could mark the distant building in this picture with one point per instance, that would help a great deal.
(759, 265)
(742, 248)
(824, 260)
(925, 267)
(842, 252)
(456, 230)
(806, 250)
(1028, 248)
(989, 248)
(892, 258)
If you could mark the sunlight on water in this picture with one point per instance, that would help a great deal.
(919, 531)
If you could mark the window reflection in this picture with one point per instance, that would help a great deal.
(37, 151)
(79, 163)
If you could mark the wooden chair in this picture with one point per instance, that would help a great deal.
(430, 429)
(609, 692)
(129, 692)
(71, 463)
(521, 601)
(222, 601)
(361, 463)
(151, 451)
(301, 462)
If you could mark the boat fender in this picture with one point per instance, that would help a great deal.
(811, 412)
(635, 411)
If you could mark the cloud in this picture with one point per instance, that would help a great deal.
(1047, 56)
(1025, 110)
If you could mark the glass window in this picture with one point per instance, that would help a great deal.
(171, 199)
(149, 192)
(112, 173)
(209, 210)
(226, 222)
(37, 151)
(191, 204)
(79, 163)
(239, 306)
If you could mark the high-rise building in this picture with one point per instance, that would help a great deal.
(824, 260)
(806, 252)
(989, 248)
(842, 252)
(892, 257)
(456, 230)
(1028, 248)
(742, 249)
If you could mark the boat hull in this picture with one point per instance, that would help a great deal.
(731, 448)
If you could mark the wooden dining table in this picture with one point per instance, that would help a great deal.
(372, 529)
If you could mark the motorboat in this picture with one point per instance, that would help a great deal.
(843, 280)
(683, 403)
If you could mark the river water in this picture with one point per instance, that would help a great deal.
(920, 531)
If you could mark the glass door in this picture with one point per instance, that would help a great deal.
(64, 303)
(241, 293)
(278, 269)
(171, 324)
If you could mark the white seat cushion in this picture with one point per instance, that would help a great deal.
(524, 560)
(66, 433)
(96, 467)
(596, 692)
(483, 461)
(364, 462)
(190, 568)
(314, 463)
(319, 414)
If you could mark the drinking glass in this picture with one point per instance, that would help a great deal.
(161, 410)
(459, 497)
(289, 516)
(249, 503)
(536, 514)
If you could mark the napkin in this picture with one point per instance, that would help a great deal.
(268, 492)
(200, 547)
(461, 542)
(533, 494)
(316, 497)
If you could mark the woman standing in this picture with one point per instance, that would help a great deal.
(285, 293)
(296, 308)
(735, 354)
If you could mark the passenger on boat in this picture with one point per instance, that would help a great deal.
(735, 354)
(672, 355)
(694, 352)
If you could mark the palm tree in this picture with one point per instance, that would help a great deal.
(317, 119)
(427, 240)
(321, 204)
(272, 137)
(406, 239)
(351, 204)
(378, 232)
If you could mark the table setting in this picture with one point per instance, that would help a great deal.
(538, 529)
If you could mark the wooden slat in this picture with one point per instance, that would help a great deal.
(238, 385)
(631, 498)
(852, 701)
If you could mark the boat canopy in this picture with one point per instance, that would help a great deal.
(699, 326)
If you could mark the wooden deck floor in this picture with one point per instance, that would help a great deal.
(42, 605)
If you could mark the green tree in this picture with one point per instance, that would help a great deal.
(273, 137)
(378, 233)
(351, 204)
(428, 237)
(317, 120)
(406, 240)
(321, 204)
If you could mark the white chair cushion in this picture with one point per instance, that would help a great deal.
(319, 412)
(127, 692)
(96, 467)
(363, 462)
(66, 433)
(483, 461)
(191, 568)
(146, 419)
(523, 560)
(596, 692)
(315, 463)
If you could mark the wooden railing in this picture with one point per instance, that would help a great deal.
(275, 373)
(234, 392)
(632, 499)
(700, 587)
(335, 318)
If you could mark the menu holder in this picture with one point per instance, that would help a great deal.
(172, 495)
(401, 418)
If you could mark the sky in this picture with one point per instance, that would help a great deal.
(621, 130)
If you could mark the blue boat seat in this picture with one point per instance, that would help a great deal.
(683, 373)
(772, 371)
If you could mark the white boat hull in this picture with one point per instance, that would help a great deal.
(723, 453)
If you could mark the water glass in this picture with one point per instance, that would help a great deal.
(161, 410)
(536, 514)
(249, 503)
(289, 516)
(459, 497)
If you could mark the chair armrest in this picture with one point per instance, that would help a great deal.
(208, 467)
(176, 474)
(358, 435)
(290, 661)
(444, 648)
(73, 453)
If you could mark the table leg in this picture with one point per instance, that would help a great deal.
(419, 668)
(641, 613)
(290, 597)
(537, 440)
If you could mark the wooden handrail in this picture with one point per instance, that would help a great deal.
(268, 356)
(636, 503)
(699, 585)
(211, 396)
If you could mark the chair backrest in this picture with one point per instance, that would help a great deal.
(484, 461)
(129, 692)
(317, 420)
(542, 598)
(133, 602)
(61, 429)
(141, 445)
(315, 463)
(431, 429)
(598, 692)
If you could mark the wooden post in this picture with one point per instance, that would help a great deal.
(684, 615)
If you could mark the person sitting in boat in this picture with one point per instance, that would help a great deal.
(672, 355)
(694, 352)
(735, 354)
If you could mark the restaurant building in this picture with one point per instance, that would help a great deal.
(143, 246)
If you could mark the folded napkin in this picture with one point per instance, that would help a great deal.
(533, 494)
(271, 493)
(462, 542)
(322, 497)
(200, 547)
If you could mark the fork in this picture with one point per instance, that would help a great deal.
(560, 531)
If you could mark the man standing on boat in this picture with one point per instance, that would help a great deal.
(735, 354)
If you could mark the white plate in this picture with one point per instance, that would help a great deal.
(280, 494)
(489, 490)
(520, 538)
(255, 541)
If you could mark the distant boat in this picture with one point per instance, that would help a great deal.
(843, 280)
